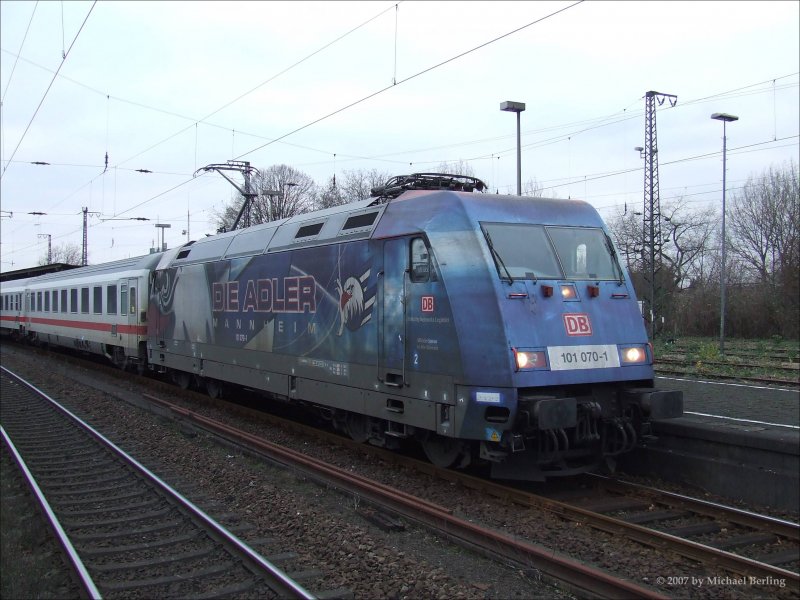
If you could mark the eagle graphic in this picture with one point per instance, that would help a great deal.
(354, 310)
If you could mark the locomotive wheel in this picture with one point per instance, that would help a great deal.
(357, 427)
(214, 388)
(444, 452)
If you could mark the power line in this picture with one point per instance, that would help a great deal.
(63, 60)
(424, 71)
(409, 78)
(24, 37)
(203, 120)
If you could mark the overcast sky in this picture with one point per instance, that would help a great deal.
(334, 86)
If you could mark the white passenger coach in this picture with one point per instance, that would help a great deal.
(100, 309)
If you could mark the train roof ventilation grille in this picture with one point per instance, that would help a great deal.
(427, 181)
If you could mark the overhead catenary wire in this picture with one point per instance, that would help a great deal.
(614, 118)
(21, 46)
(35, 112)
(202, 120)
(341, 156)
(411, 77)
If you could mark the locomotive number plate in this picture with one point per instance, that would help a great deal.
(565, 358)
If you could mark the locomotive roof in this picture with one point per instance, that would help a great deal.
(346, 222)
(411, 211)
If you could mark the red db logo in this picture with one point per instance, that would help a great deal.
(427, 304)
(577, 324)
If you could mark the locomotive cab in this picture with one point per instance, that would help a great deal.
(551, 362)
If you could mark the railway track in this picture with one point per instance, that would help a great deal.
(743, 544)
(126, 533)
(761, 549)
(573, 574)
(666, 366)
(758, 548)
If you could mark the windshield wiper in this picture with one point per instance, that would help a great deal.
(497, 257)
(614, 261)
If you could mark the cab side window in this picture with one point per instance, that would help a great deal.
(421, 262)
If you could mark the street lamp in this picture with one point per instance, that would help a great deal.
(725, 118)
(516, 107)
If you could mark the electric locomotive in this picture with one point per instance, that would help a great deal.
(486, 327)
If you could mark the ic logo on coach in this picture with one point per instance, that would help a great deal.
(577, 324)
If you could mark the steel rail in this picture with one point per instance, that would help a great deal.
(650, 537)
(644, 535)
(779, 527)
(287, 587)
(84, 579)
(573, 573)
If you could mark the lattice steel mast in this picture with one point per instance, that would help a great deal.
(651, 220)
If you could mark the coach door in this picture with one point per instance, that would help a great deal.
(127, 308)
(392, 345)
(133, 306)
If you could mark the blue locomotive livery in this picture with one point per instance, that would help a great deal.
(487, 328)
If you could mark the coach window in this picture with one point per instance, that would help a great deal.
(46, 301)
(64, 307)
(55, 300)
(73, 300)
(123, 298)
(111, 299)
(132, 298)
(421, 263)
(38, 302)
(97, 293)
(85, 300)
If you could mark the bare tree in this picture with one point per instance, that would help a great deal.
(765, 237)
(764, 223)
(67, 253)
(687, 241)
(626, 231)
(351, 187)
(534, 189)
(456, 168)
(687, 237)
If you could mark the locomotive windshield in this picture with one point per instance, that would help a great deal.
(525, 251)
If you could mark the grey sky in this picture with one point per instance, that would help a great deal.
(171, 87)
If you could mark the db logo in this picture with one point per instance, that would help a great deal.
(427, 304)
(577, 324)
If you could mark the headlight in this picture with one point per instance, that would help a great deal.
(526, 360)
(568, 291)
(633, 355)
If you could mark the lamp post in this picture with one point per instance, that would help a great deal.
(725, 118)
(516, 107)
